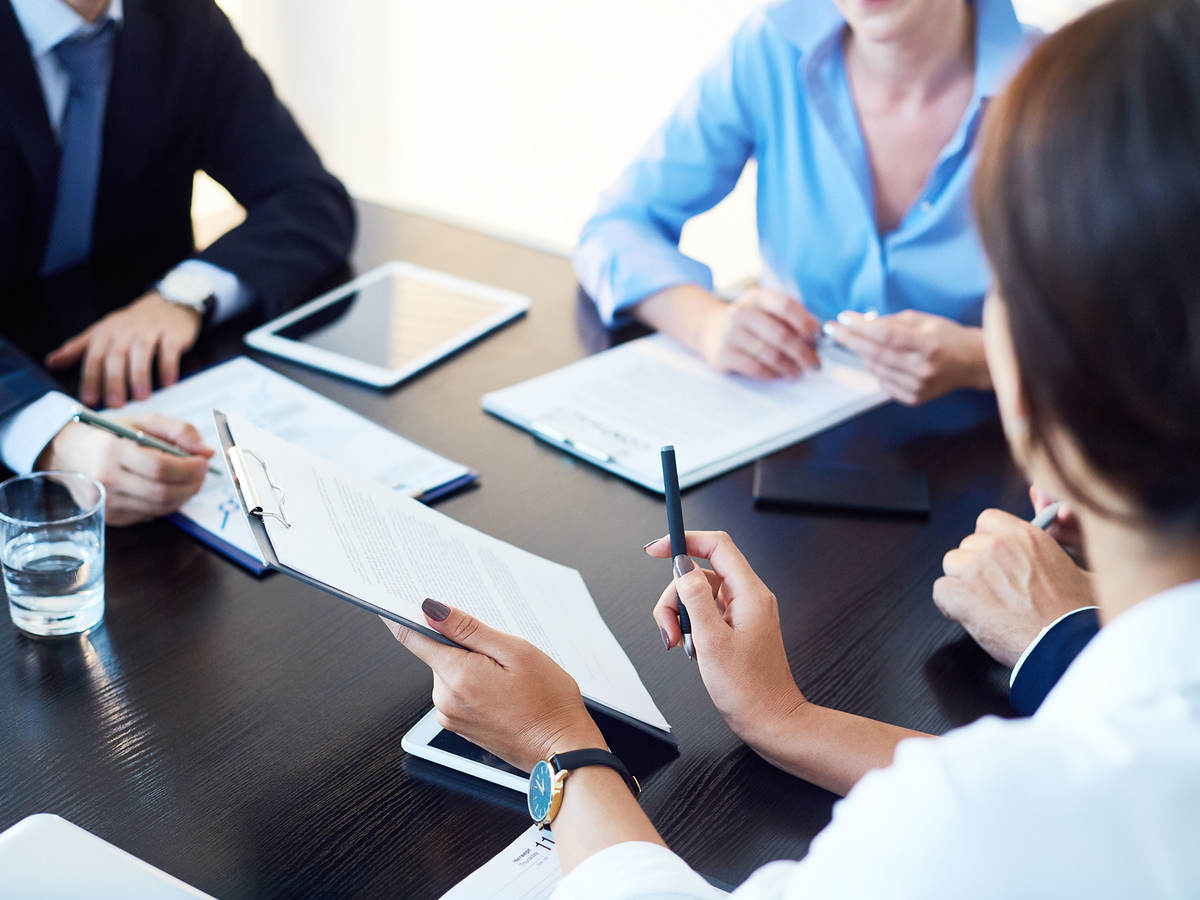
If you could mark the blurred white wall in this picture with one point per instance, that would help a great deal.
(508, 117)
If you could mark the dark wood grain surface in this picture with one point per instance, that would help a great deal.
(244, 734)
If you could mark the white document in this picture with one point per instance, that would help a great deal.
(45, 857)
(391, 552)
(527, 869)
(305, 417)
(619, 407)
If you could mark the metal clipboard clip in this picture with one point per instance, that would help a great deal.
(237, 463)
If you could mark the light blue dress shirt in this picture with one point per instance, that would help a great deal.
(779, 94)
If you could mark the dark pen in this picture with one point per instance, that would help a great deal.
(680, 561)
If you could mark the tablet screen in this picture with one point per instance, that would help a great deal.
(459, 746)
(391, 321)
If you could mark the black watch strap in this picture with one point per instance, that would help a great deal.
(576, 759)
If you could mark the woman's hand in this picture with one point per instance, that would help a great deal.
(764, 334)
(1006, 582)
(916, 356)
(735, 628)
(501, 692)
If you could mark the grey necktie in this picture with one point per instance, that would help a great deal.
(88, 62)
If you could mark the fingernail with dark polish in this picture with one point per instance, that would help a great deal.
(666, 640)
(436, 611)
(683, 564)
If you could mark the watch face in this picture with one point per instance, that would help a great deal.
(541, 790)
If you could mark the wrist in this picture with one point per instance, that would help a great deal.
(686, 312)
(582, 735)
(976, 372)
(770, 726)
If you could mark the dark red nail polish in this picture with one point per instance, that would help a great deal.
(436, 611)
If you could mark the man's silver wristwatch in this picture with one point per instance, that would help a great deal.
(190, 289)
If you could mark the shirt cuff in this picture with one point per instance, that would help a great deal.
(619, 278)
(25, 433)
(633, 869)
(230, 293)
(1012, 679)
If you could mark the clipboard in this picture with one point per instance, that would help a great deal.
(256, 506)
(262, 497)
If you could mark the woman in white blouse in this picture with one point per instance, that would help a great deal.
(1088, 199)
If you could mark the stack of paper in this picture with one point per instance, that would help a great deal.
(618, 408)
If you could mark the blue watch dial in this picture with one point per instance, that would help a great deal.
(541, 785)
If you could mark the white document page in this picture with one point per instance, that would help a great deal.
(45, 857)
(527, 869)
(392, 552)
(316, 423)
(627, 402)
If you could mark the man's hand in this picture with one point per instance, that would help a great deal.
(1006, 582)
(141, 483)
(1065, 527)
(120, 349)
(916, 356)
(764, 334)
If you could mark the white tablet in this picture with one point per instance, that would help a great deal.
(428, 740)
(389, 323)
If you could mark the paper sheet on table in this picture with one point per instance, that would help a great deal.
(302, 416)
(392, 552)
(619, 407)
(527, 869)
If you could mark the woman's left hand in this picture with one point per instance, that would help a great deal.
(500, 692)
(916, 356)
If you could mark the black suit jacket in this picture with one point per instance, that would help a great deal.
(185, 96)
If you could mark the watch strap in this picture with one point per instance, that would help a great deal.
(577, 759)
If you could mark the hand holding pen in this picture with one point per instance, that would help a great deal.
(680, 561)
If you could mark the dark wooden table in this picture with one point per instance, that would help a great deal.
(244, 734)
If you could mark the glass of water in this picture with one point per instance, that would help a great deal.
(52, 527)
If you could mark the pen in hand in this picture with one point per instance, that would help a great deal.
(1046, 517)
(95, 420)
(681, 562)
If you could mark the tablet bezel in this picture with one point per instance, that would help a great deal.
(509, 305)
(416, 741)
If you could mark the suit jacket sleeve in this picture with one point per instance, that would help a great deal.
(21, 380)
(1049, 658)
(299, 223)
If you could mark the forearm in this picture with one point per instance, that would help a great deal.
(827, 747)
(682, 311)
(973, 363)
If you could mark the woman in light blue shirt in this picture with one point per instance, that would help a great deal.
(861, 116)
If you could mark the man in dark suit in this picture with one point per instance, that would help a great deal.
(1019, 592)
(108, 108)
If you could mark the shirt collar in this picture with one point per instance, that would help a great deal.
(999, 35)
(1147, 651)
(46, 23)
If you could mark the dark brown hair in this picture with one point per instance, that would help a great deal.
(1087, 196)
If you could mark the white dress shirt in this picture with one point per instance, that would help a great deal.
(1097, 795)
